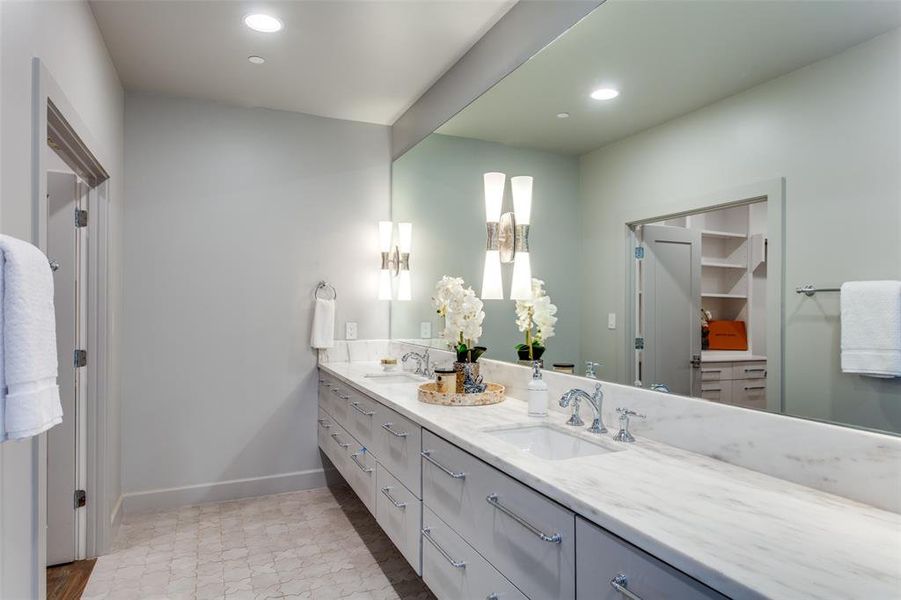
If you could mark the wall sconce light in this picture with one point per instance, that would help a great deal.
(395, 260)
(508, 237)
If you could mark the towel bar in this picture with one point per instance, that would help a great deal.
(810, 290)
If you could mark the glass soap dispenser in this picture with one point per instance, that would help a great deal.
(537, 393)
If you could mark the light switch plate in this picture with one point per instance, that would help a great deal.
(350, 330)
(611, 320)
(425, 330)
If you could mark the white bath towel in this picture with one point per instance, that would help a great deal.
(29, 394)
(323, 334)
(871, 328)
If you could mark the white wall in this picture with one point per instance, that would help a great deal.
(234, 215)
(438, 186)
(832, 130)
(65, 37)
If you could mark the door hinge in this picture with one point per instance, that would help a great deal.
(81, 498)
(639, 252)
(696, 361)
(80, 358)
(81, 218)
(639, 343)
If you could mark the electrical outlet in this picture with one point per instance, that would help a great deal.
(350, 330)
(425, 330)
(611, 320)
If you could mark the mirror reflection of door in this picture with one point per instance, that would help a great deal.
(701, 298)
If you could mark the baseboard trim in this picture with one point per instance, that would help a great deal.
(220, 491)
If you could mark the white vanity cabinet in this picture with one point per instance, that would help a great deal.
(607, 568)
(740, 382)
(527, 537)
(471, 531)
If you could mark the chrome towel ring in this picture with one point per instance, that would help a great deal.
(327, 288)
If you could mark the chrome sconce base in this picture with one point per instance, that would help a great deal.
(507, 237)
(395, 261)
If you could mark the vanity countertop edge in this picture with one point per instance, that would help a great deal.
(700, 515)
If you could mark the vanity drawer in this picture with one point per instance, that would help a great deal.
(399, 513)
(397, 443)
(325, 386)
(361, 412)
(360, 474)
(717, 391)
(716, 371)
(453, 570)
(749, 393)
(527, 537)
(339, 402)
(326, 426)
(602, 558)
(749, 370)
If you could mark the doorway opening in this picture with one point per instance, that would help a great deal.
(702, 291)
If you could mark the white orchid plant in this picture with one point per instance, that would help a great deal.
(536, 313)
(463, 315)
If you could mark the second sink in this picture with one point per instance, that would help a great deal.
(549, 443)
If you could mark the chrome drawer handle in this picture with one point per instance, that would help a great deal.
(712, 390)
(427, 454)
(337, 393)
(457, 564)
(554, 538)
(363, 467)
(356, 407)
(325, 424)
(335, 437)
(397, 504)
(755, 370)
(387, 427)
(755, 387)
(325, 383)
(711, 370)
(621, 584)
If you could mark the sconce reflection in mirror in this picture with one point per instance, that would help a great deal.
(395, 260)
(508, 237)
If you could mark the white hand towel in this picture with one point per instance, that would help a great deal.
(323, 334)
(871, 328)
(28, 367)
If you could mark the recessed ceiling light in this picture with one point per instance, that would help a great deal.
(563, 115)
(605, 94)
(263, 23)
(257, 60)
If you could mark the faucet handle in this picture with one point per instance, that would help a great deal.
(623, 434)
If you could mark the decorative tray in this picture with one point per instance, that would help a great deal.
(428, 393)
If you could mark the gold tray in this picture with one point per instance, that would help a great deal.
(428, 393)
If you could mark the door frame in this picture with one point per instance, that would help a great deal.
(53, 116)
(773, 192)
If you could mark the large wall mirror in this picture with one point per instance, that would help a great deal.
(676, 173)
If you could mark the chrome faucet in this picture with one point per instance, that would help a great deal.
(423, 362)
(591, 369)
(660, 387)
(574, 397)
(623, 434)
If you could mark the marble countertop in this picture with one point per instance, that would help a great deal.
(743, 533)
(729, 356)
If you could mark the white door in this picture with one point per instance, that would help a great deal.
(64, 249)
(671, 304)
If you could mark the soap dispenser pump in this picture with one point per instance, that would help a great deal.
(537, 393)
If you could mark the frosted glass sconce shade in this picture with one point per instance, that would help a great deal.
(494, 196)
(404, 286)
(492, 285)
(521, 289)
(522, 198)
(395, 260)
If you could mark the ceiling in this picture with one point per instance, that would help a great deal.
(667, 58)
(364, 60)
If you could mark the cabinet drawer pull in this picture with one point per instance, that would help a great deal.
(363, 467)
(400, 434)
(755, 387)
(554, 538)
(356, 407)
(325, 383)
(338, 393)
(457, 564)
(621, 584)
(711, 390)
(325, 424)
(427, 454)
(755, 370)
(711, 370)
(397, 504)
(337, 441)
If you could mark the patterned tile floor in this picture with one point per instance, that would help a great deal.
(317, 544)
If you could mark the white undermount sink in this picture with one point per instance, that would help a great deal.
(395, 377)
(549, 443)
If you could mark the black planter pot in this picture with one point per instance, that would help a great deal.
(474, 353)
(537, 351)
